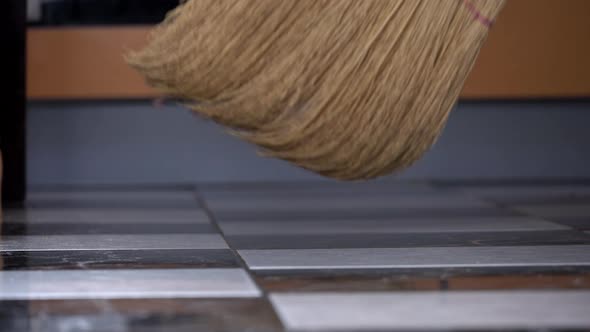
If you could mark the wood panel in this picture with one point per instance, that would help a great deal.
(82, 63)
(537, 49)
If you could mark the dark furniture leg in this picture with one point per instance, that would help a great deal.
(13, 99)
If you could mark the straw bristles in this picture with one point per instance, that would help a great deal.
(350, 89)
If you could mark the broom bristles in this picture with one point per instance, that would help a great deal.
(350, 89)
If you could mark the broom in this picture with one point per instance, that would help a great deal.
(350, 89)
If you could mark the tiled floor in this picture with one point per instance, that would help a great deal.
(301, 257)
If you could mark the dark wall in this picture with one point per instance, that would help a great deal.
(82, 12)
(12, 95)
(135, 143)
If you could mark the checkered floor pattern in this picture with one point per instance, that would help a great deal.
(386, 256)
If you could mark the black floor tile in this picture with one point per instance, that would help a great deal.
(540, 200)
(378, 278)
(347, 283)
(117, 259)
(444, 280)
(110, 204)
(178, 315)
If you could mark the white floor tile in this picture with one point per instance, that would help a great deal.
(434, 310)
(122, 284)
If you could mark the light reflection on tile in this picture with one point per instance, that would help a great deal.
(434, 310)
(417, 258)
(112, 242)
(122, 284)
(405, 240)
(83, 215)
(392, 225)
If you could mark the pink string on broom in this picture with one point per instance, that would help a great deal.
(478, 16)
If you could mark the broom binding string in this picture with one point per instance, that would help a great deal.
(478, 15)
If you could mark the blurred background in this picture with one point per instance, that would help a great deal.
(143, 217)
(91, 120)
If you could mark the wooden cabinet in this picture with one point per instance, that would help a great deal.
(84, 63)
(537, 49)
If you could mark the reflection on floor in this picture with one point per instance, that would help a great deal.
(313, 257)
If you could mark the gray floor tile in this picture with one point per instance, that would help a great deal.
(123, 196)
(392, 225)
(316, 188)
(112, 242)
(99, 284)
(365, 202)
(417, 258)
(555, 210)
(434, 310)
(579, 223)
(84, 215)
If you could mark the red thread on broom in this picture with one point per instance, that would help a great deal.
(478, 16)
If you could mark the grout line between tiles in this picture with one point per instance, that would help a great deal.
(264, 294)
